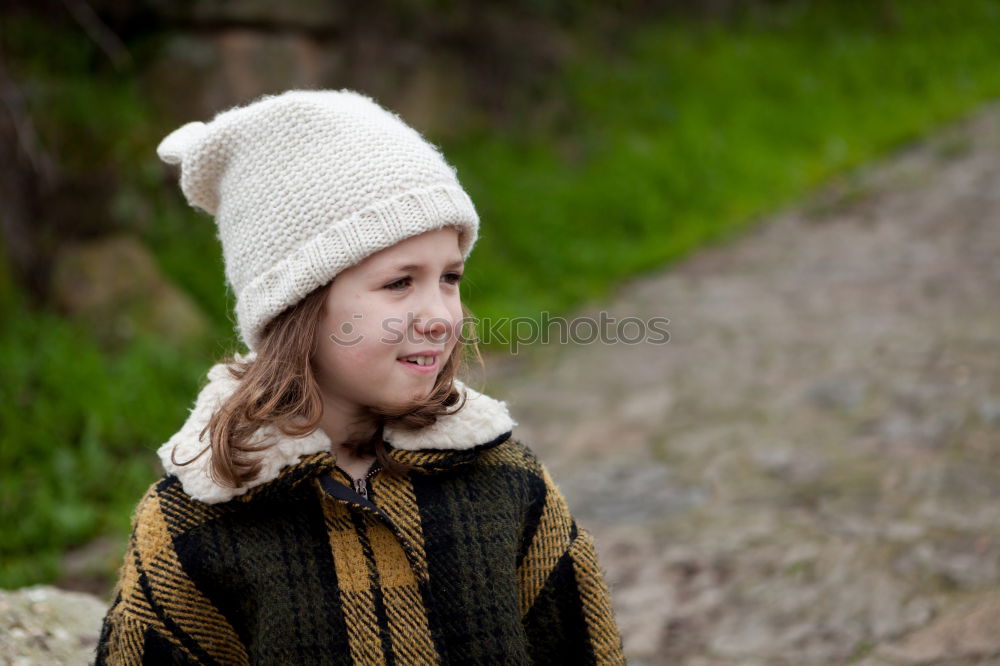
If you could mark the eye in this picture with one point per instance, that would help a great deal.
(452, 278)
(400, 284)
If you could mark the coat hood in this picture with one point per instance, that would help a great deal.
(481, 421)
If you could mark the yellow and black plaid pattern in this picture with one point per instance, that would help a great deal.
(472, 557)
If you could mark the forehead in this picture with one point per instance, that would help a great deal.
(438, 246)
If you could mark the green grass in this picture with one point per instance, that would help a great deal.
(79, 431)
(680, 137)
(694, 130)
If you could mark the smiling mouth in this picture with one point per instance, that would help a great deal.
(420, 360)
(421, 364)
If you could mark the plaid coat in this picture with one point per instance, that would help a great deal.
(470, 558)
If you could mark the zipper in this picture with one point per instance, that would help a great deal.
(342, 493)
(361, 485)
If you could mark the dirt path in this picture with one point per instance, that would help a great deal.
(809, 471)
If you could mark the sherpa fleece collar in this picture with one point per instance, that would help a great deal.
(481, 421)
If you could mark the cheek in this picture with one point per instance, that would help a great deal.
(340, 339)
(346, 365)
(348, 321)
(455, 310)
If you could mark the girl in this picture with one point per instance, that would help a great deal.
(337, 495)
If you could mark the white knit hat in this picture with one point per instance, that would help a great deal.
(307, 183)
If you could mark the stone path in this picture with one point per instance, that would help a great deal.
(809, 471)
(46, 625)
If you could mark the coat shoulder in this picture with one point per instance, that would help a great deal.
(513, 453)
(166, 511)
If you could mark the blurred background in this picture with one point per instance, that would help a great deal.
(620, 155)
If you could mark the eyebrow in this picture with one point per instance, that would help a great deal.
(409, 268)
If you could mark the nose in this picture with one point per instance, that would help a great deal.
(435, 330)
(434, 320)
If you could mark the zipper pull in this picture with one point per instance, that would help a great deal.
(361, 487)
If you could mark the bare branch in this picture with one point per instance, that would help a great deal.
(24, 129)
(102, 35)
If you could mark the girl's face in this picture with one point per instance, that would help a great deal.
(390, 324)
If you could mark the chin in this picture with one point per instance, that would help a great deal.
(419, 396)
(405, 403)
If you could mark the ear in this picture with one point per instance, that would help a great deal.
(177, 144)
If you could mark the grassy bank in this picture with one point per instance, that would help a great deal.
(677, 138)
(693, 130)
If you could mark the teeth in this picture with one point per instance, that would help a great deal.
(420, 360)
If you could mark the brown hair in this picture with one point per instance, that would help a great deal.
(279, 388)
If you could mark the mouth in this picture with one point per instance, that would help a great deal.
(421, 363)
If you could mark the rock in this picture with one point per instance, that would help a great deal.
(812, 607)
(197, 75)
(46, 625)
(309, 15)
(629, 491)
(958, 561)
(115, 287)
(989, 411)
(840, 393)
(86, 567)
(433, 98)
(967, 631)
